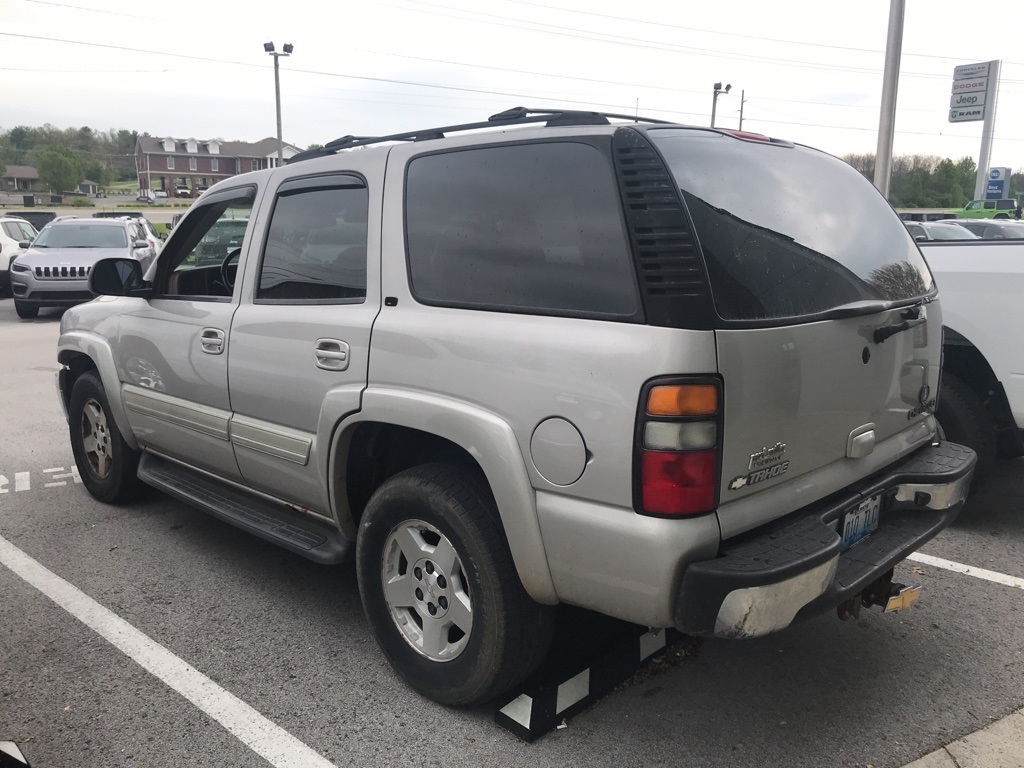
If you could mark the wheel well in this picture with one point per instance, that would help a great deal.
(962, 359)
(379, 451)
(76, 364)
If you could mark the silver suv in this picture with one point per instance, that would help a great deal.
(54, 270)
(684, 377)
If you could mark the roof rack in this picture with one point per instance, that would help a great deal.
(514, 116)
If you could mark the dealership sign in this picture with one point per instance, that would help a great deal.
(970, 92)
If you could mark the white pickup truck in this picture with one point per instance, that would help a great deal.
(981, 285)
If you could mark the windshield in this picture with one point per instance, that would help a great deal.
(19, 230)
(82, 236)
(786, 231)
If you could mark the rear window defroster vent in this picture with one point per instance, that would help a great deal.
(671, 273)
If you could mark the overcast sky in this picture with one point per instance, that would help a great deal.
(811, 70)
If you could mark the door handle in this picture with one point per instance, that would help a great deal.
(331, 354)
(212, 340)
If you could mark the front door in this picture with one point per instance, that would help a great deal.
(173, 349)
(300, 339)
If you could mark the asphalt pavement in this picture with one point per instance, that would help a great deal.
(263, 646)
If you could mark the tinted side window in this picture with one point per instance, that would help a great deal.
(316, 246)
(533, 228)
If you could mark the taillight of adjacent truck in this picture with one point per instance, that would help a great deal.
(677, 449)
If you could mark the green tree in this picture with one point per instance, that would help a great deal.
(94, 170)
(58, 168)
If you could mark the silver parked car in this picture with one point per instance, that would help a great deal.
(54, 271)
(938, 230)
(575, 358)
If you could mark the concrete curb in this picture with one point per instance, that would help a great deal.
(1000, 745)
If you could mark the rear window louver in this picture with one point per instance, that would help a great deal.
(669, 267)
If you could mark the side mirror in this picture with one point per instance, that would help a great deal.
(24, 244)
(140, 244)
(920, 238)
(117, 277)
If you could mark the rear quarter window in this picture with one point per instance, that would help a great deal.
(532, 228)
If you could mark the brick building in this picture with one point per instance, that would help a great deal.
(175, 165)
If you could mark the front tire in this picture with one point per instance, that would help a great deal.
(107, 466)
(441, 591)
(25, 312)
(964, 419)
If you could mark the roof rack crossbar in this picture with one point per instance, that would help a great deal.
(514, 116)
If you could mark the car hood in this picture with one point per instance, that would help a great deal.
(79, 257)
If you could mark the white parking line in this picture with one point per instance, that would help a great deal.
(968, 570)
(262, 736)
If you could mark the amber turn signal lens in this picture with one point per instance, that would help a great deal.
(683, 400)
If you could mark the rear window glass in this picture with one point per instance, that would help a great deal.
(789, 232)
(532, 228)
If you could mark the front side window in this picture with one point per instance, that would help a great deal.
(316, 243)
(201, 260)
(530, 228)
(788, 232)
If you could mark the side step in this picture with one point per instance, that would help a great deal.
(277, 523)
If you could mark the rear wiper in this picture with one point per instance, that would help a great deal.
(854, 309)
(912, 316)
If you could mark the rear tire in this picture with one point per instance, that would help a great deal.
(964, 419)
(441, 591)
(24, 311)
(107, 466)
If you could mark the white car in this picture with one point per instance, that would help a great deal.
(14, 232)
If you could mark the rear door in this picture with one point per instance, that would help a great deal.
(300, 339)
(812, 275)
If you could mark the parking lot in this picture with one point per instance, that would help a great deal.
(215, 647)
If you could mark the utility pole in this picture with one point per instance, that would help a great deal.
(890, 81)
(715, 91)
(269, 48)
(743, 100)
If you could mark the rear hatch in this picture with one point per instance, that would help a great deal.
(828, 344)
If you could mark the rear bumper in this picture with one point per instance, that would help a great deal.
(760, 582)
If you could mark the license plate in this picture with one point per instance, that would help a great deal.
(861, 521)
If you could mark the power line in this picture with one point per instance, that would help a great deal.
(661, 24)
(633, 42)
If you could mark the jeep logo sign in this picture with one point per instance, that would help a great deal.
(970, 91)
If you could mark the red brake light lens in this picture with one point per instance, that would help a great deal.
(678, 483)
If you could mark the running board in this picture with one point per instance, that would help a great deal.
(276, 523)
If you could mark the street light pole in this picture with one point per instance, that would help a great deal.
(269, 48)
(714, 99)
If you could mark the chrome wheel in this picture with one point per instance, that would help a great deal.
(426, 590)
(96, 439)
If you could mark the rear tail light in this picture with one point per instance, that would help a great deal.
(677, 447)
